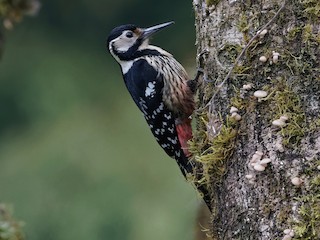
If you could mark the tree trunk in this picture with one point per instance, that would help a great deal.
(272, 79)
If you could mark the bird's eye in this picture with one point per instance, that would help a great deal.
(129, 34)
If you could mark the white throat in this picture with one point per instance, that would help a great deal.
(126, 65)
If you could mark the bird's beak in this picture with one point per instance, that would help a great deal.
(147, 32)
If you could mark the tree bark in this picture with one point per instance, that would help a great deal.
(269, 75)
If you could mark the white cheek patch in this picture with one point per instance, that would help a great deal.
(123, 48)
(125, 65)
(122, 45)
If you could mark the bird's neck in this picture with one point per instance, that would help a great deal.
(126, 59)
(143, 50)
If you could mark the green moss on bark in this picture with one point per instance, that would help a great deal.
(307, 226)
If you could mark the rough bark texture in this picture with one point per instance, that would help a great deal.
(265, 205)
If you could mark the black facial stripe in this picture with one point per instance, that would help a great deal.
(132, 53)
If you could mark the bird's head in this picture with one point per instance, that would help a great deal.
(124, 41)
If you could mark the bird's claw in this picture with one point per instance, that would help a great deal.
(203, 52)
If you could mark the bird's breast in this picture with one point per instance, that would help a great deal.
(176, 93)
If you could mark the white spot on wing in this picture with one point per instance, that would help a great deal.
(164, 145)
(143, 106)
(174, 141)
(150, 90)
(167, 116)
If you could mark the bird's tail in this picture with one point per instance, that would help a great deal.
(190, 172)
(187, 166)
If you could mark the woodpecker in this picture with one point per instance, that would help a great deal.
(160, 87)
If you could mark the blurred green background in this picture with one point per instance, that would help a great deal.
(77, 160)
